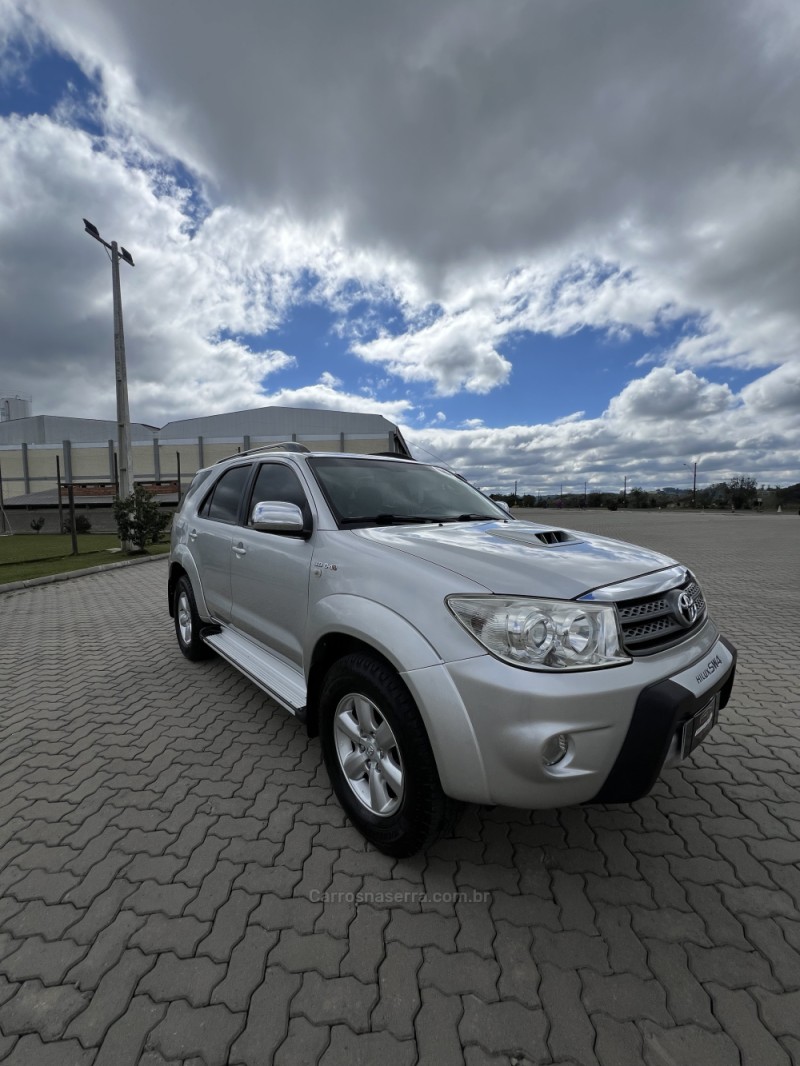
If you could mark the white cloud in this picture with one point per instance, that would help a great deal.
(484, 170)
(666, 394)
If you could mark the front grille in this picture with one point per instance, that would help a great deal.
(654, 622)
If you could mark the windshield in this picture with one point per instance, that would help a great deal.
(374, 491)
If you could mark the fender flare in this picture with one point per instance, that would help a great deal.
(447, 723)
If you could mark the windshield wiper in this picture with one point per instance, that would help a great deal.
(387, 519)
(474, 517)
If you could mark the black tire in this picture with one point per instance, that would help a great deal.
(187, 621)
(391, 761)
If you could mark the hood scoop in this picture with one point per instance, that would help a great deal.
(532, 537)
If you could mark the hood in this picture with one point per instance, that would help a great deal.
(521, 558)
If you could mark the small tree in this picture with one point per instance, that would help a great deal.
(139, 518)
(36, 524)
(82, 524)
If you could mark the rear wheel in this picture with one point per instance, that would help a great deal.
(187, 622)
(379, 758)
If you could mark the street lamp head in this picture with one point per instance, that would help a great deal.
(126, 255)
(91, 229)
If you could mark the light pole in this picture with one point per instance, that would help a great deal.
(121, 371)
(693, 468)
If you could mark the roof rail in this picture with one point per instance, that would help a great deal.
(281, 446)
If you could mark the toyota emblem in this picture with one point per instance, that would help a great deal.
(686, 609)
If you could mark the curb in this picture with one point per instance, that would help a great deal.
(32, 582)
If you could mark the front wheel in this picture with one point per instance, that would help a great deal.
(379, 758)
(187, 622)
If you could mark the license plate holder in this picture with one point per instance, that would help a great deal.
(697, 728)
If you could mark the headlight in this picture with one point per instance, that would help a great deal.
(542, 634)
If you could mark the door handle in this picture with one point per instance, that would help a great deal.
(192, 534)
(239, 549)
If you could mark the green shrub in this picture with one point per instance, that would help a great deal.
(139, 518)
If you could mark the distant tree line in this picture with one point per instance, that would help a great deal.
(740, 493)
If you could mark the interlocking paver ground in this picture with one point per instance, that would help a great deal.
(178, 885)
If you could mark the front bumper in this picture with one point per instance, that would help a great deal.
(655, 734)
(488, 723)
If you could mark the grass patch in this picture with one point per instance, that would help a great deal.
(26, 556)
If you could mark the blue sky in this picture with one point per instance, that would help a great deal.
(540, 256)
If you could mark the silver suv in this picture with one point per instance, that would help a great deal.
(444, 651)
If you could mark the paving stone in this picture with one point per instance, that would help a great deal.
(669, 925)
(399, 995)
(47, 1011)
(201, 862)
(526, 909)
(49, 921)
(337, 1000)
(274, 880)
(459, 973)
(267, 1019)
(214, 890)
(738, 1016)
(731, 967)
(576, 912)
(367, 1049)
(687, 1044)
(111, 999)
(275, 912)
(152, 898)
(618, 891)
(618, 1043)
(304, 1043)
(767, 935)
(781, 1013)
(298, 953)
(626, 952)
(42, 960)
(366, 945)
(571, 1036)
(687, 1000)
(43, 885)
(507, 1028)
(475, 928)
(229, 925)
(722, 926)
(420, 930)
(159, 932)
(101, 912)
(206, 1032)
(625, 997)
(338, 905)
(261, 852)
(30, 1051)
(106, 951)
(245, 969)
(161, 868)
(519, 977)
(758, 902)
(570, 951)
(436, 1028)
(175, 978)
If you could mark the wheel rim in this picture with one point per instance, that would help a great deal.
(184, 619)
(368, 754)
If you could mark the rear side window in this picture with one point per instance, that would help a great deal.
(224, 499)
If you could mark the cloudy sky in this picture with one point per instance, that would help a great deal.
(555, 242)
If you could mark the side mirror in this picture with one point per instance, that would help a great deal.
(273, 516)
(503, 506)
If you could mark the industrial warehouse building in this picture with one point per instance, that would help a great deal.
(35, 449)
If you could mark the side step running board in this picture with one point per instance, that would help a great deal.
(278, 680)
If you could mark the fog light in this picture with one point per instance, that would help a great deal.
(554, 749)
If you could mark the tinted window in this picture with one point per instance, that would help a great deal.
(278, 482)
(369, 489)
(223, 503)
